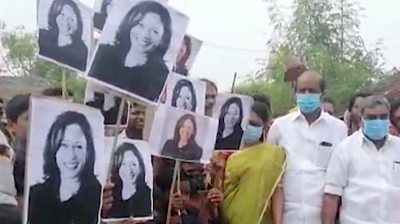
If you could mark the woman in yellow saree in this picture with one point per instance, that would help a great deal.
(252, 175)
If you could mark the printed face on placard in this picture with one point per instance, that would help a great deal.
(182, 135)
(65, 145)
(185, 98)
(130, 169)
(65, 33)
(137, 47)
(147, 34)
(71, 156)
(232, 115)
(67, 21)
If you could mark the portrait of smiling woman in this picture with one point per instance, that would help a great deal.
(135, 60)
(61, 39)
(132, 196)
(184, 96)
(70, 189)
(183, 145)
(230, 129)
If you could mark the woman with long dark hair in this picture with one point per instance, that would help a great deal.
(183, 145)
(70, 191)
(230, 130)
(132, 196)
(184, 96)
(62, 41)
(183, 56)
(135, 62)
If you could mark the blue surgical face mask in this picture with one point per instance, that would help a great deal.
(252, 134)
(376, 129)
(308, 102)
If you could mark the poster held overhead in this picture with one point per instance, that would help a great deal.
(232, 112)
(138, 47)
(182, 135)
(65, 163)
(65, 33)
(184, 93)
(188, 51)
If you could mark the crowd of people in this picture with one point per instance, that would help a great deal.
(306, 167)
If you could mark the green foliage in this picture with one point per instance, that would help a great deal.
(325, 34)
(19, 49)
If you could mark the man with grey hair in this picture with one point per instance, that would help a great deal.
(365, 171)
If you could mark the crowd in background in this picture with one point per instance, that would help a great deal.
(260, 183)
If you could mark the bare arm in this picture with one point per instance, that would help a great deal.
(329, 208)
(277, 205)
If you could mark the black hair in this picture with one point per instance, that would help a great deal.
(118, 158)
(54, 140)
(179, 125)
(177, 90)
(135, 15)
(393, 108)
(354, 98)
(262, 110)
(56, 9)
(224, 111)
(188, 43)
(10, 214)
(17, 106)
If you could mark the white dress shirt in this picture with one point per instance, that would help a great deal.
(367, 179)
(308, 150)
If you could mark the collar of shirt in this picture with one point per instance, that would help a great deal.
(363, 140)
(299, 116)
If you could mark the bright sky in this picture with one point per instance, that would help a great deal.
(229, 26)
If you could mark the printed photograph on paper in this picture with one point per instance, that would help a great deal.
(137, 47)
(232, 112)
(187, 53)
(65, 33)
(184, 93)
(65, 163)
(182, 135)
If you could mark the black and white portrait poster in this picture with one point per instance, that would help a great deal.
(132, 175)
(232, 112)
(138, 47)
(188, 51)
(65, 33)
(106, 101)
(184, 93)
(65, 163)
(182, 135)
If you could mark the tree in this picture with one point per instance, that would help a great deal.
(18, 51)
(326, 35)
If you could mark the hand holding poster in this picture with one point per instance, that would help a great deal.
(232, 112)
(182, 135)
(65, 32)
(65, 163)
(132, 175)
(185, 93)
(137, 47)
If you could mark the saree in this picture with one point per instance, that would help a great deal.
(251, 177)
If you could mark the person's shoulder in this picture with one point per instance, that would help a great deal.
(39, 190)
(335, 121)
(285, 118)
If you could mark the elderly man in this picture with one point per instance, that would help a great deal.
(308, 136)
(365, 171)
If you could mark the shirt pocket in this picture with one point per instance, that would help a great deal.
(324, 156)
(395, 177)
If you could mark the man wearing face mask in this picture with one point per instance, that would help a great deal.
(252, 174)
(308, 136)
(365, 171)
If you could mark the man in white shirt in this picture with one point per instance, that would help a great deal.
(308, 136)
(365, 171)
